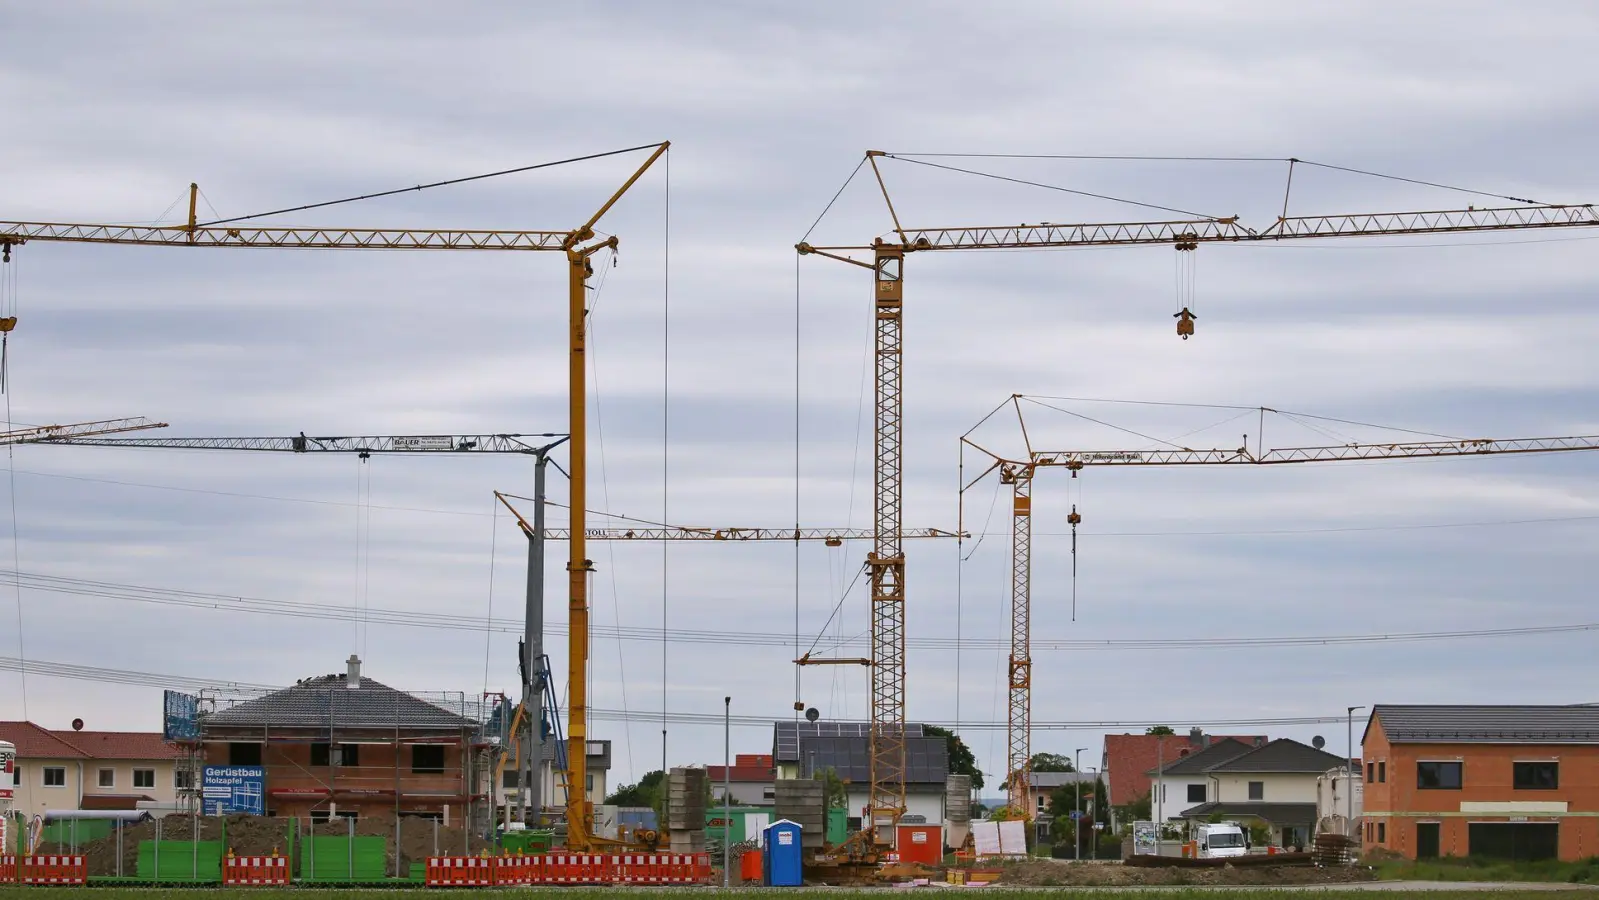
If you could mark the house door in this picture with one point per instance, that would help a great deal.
(1427, 840)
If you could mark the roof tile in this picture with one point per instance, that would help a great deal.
(1465, 724)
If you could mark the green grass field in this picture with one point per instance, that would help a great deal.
(116, 893)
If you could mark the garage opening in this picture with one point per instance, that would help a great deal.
(1520, 841)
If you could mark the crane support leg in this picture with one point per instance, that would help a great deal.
(1019, 724)
(886, 564)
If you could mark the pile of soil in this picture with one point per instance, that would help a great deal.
(1050, 873)
(101, 856)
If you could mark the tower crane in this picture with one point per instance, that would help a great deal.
(1019, 474)
(578, 244)
(887, 261)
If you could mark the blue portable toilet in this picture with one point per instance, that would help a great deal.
(782, 858)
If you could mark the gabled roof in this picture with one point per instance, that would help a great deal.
(1200, 761)
(325, 702)
(34, 742)
(1462, 724)
(786, 736)
(1281, 755)
(121, 744)
(1130, 757)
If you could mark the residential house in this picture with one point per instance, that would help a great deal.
(92, 770)
(1274, 785)
(751, 780)
(1517, 782)
(803, 749)
(349, 746)
(1042, 785)
(1128, 759)
(1186, 782)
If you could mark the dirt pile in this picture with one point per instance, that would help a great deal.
(101, 856)
(1052, 873)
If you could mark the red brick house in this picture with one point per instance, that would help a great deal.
(1514, 782)
(348, 746)
(752, 779)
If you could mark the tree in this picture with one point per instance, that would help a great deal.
(961, 759)
(647, 793)
(1160, 730)
(836, 794)
(1050, 762)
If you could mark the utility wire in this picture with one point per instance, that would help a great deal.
(423, 187)
(1053, 187)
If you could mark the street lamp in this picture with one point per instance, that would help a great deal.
(1349, 745)
(1077, 811)
(1093, 821)
(727, 791)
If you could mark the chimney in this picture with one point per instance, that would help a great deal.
(352, 673)
(1196, 737)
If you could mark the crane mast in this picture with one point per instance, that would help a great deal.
(887, 564)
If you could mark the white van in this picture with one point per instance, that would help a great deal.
(1221, 839)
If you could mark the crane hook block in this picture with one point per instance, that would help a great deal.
(7, 323)
(1185, 323)
(1073, 518)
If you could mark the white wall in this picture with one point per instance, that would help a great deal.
(33, 798)
(929, 805)
(164, 791)
(1279, 787)
(1175, 802)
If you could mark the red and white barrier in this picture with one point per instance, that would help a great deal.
(460, 871)
(8, 869)
(243, 870)
(52, 870)
(569, 869)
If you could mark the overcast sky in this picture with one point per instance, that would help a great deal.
(110, 110)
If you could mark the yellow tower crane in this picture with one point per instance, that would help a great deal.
(579, 245)
(887, 261)
(1019, 474)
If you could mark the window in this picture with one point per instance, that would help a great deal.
(244, 754)
(1536, 776)
(427, 759)
(1257, 790)
(1196, 793)
(1382, 832)
(320, 756)
(55, 776)
(108, 778)
(1041, 800)
(511, 778)
(144, 779)
(1520, 841)
(182, 779)
(589, 781)
(1370, 770)
(348, 755)
(16, 773)
(1382, 773)
(323, 755)
(1438, 776)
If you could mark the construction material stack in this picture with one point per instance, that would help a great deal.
(687, 789)
(957, 809)
(803, 801)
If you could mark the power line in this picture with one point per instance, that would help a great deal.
(178, 682)
(291, 609)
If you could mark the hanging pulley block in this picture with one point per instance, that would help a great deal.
(7, 323)
(1185, 323)
(1073, 519)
